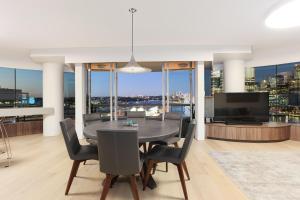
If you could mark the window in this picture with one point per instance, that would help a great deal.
(140, 92)
(100, 92)
(283, 84)
(29, 88)
(7, 87)
(69, 95)
(179, 84)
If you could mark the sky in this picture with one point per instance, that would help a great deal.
(31, 81)
(139, 84)
(262, 73)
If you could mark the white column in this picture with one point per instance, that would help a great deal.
(199, 100)
(80, 98)
(234, 75)
(53, 97)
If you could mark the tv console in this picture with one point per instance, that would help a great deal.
(266, 132)
(243, 123)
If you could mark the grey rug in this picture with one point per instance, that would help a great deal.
(263, 175)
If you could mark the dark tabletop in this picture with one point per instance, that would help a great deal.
(148, 130)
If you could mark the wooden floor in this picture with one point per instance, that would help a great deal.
(41, 166)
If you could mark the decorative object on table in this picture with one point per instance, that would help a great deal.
(132, 123)
(132, 66)
(6, 144)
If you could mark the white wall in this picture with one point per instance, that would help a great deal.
(199, 100)
(80, 98)
(142, 53)
(234, 75)
(53, 97)
(274, 55)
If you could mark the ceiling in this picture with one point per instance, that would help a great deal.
(33, 24)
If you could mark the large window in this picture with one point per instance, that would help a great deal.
(7, 87)
(283, 84)
(140, 92)
(181, 92)
(29, 88)
(69, 95)
(100, 92)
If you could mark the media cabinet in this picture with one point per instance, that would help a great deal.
(268, 132)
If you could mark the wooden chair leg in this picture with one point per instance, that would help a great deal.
(73, 173)
(154, 168)
(167, 166)
(181, 175)
(133, 187)
(149, 167)
(106, 186)
(186, 170)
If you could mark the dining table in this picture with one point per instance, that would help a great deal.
(149, 130)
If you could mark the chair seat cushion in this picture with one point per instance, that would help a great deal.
(164, 154)
(87, 152)
(167, 141)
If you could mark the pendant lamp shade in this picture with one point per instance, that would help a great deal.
(132, 66)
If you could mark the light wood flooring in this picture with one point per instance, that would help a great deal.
(41, 166)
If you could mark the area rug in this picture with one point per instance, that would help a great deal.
(263, 175)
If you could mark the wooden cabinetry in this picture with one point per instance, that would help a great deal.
(256, 133)
(24, 128)
(295, 132)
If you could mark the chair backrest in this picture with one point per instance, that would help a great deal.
(87, 118)
(118, 152)
(175, 116)
(188, 141)
(136, 114)
(70, 137)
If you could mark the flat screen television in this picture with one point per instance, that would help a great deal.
(247, 107)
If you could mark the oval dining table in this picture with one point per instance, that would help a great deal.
(148, 130)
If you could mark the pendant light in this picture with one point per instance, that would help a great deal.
(132, 66)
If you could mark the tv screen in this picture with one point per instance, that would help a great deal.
(244, 107)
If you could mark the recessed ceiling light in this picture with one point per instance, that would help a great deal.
(285, 16)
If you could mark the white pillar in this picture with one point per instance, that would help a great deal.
(199, 100)
(80, 98)
(234, 75)
(53, 97)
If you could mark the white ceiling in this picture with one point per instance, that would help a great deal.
(33, 24)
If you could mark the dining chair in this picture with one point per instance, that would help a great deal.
(136, 114)
(172, 140)
(119, 155)
(78, 153)
(91, 118)
(174, 155)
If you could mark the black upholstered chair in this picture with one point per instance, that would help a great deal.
(119, 155)
(78, 153)
(172, 140)
(136, 114)
(177, 156)
(91, 118)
